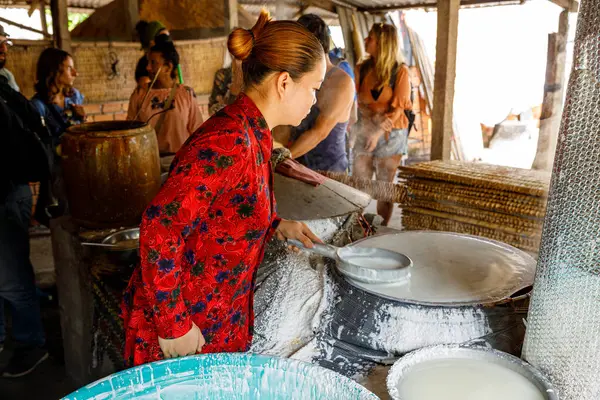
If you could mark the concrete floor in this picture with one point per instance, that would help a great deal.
(395, 222)
(48, 381)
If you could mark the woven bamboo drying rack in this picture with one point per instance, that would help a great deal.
(501, 203)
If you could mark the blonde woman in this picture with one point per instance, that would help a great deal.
(383, 87)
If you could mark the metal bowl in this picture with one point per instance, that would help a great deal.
(127, 254)
(402, 367)
(122, 236)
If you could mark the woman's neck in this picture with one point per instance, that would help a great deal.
(164, 83)
(268, 112)
(58, 96)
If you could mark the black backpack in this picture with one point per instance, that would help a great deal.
(364, 69)
(26, 154)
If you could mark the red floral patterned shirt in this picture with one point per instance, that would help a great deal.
(203, 237)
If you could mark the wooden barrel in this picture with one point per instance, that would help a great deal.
(111, 172)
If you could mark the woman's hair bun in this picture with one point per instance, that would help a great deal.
(241, 42)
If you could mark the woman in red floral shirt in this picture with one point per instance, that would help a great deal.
(203, 236)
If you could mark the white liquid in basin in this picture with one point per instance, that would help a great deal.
(465, 379)
(374, 262)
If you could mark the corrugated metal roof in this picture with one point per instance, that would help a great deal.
(89, 4)
(382, 5)
(373, 5)
(363, 5)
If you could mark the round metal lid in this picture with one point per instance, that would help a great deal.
(451, 269)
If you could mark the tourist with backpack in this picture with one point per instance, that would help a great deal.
(385, 111)
(25, 156)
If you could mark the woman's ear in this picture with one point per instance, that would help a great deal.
(168, 68)
(283, 82)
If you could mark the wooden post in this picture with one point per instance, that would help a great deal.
(445, 73)
(74, 299)
(42, 9)
(231, 15)
(346, 24)
(132, 15)
(60, 24)
(553, 95)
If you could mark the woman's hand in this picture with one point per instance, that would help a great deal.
(372, 140)
(386, 125)
(188, 344)
(78, 111)
(296, 230)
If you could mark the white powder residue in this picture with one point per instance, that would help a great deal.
(308, 353)
(401, 329)
(292, 300)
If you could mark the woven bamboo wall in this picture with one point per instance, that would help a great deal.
(184, 14)
(200, 60)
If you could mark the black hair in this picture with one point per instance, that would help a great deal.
(140, 28)
(167, 50)
(49, 66)
(317, 27)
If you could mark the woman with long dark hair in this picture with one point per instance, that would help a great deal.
(170, 107)
(204, 235)
(56, 99)
(383, 87)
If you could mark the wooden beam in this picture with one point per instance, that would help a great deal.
(300, 12)
(445, 73)
(329, 5)
(231, 15)
(42, 9)
(563, 23)
(132, 15)
(60, 24)
(433, 4)
(245, 14)
(346, 25)
(553, 96)
(569, 5)
(7, 21)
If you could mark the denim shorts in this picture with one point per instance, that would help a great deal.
(395, 145)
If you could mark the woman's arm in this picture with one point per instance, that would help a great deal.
(195, 118)
(401, 97)
(133, 108)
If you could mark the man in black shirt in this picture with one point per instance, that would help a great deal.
(17, 281)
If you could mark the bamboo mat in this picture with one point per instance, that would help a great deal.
(478, 175)
(500, 203)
